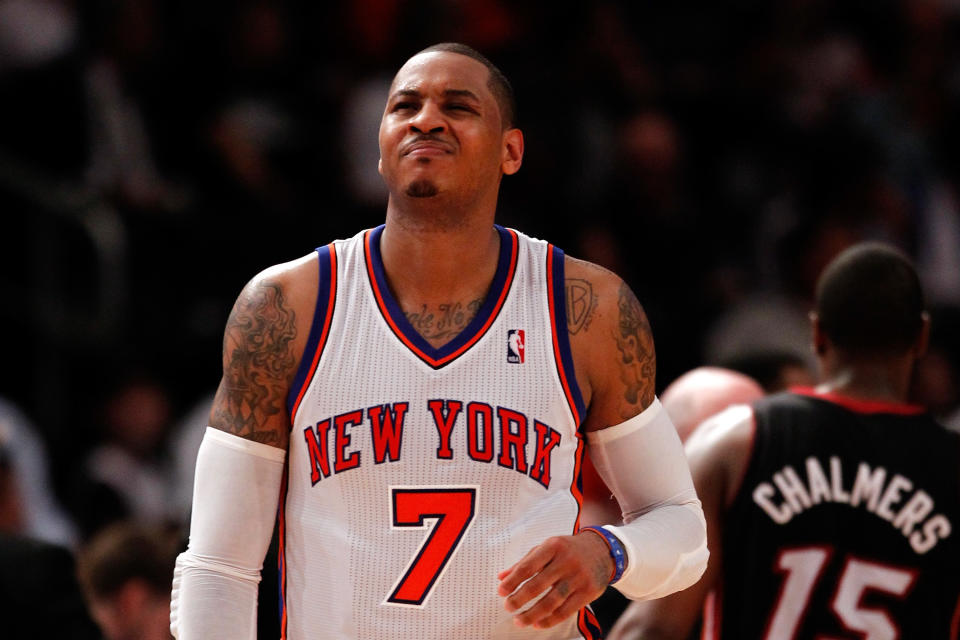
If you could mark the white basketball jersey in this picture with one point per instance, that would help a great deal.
(416, 474)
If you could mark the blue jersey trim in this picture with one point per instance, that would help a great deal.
(309, 356)
(433, 355)
(561, 332)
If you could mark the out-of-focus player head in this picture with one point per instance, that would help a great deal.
(704, 391)
(448, 130)
(869, 308)
(125, 572)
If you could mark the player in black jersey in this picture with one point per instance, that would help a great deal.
(830, 511)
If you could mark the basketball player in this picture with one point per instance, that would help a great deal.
(414, 402)
(830, 510)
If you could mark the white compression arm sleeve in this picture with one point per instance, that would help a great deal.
(665, 535)
(235, 496)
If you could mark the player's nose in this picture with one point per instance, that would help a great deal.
(429, 119)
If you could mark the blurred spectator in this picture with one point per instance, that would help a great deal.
(936, 383)
(126, 572)
(185, 438)
(773, 370)
(30, 506)
(775, 319)
(131, 463)
(123, 162)
(39, 594)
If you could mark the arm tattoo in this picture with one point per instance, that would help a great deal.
(581, 303)
(446, 321)
(638, 362)
(258, 364)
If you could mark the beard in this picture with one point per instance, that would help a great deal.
(422, 189)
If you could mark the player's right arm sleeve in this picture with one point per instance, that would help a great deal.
(235, 496)
(664, 531)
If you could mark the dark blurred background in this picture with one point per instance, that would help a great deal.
(154, 156)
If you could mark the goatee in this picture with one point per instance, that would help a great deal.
(422, 189)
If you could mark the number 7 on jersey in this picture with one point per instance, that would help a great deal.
(451, 510)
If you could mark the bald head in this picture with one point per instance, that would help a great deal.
(704, 391)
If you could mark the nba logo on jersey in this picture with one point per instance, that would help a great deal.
(515, 342)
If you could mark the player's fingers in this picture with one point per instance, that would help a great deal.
(543, 607)
(547, 607)
(562, 611)
(528, 566)
(542, 581)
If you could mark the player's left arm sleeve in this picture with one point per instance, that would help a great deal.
(664, 535)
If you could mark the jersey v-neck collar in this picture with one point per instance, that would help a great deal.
(438, 357)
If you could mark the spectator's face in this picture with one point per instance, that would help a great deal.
(136, 612)
(441, 131)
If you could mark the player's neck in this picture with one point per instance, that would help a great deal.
(427, 262)
(888, 382)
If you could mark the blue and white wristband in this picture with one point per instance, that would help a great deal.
(617, 552)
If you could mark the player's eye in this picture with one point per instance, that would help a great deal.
(404, 106)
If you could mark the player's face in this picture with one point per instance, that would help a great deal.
(441, 130)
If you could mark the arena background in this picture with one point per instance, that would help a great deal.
(154, 156)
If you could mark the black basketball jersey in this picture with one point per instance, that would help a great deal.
(844, 525)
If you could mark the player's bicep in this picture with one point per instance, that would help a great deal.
(616, 350)
(259, 363)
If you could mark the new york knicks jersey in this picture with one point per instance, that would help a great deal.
(417, 474)
(843, 526)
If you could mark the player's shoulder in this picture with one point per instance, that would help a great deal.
(285, 293)
(596, 297)
(599, 277)
(720, 448)
(289, 272)
(731, 426)
(293, 279)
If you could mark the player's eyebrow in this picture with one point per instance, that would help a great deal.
(461, 93)
(448, 93)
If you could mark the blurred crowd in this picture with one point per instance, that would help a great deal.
(156, 155)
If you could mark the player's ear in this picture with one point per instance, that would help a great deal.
(817, 340)
(512, 156)
(923, 339)
(380, 166)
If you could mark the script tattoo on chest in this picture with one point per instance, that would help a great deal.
(638, 362)
(581, 303)
(259, 361)
(441, 323)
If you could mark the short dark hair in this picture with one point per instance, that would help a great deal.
(125, 551)
(499, 85)
(869, 301)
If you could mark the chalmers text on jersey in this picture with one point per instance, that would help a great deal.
(896, 499)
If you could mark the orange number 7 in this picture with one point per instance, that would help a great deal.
(450, 511)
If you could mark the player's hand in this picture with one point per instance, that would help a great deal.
(573, 570)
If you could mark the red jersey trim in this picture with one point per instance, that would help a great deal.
(861, 406)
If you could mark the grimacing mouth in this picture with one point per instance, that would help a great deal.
(426, 141)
